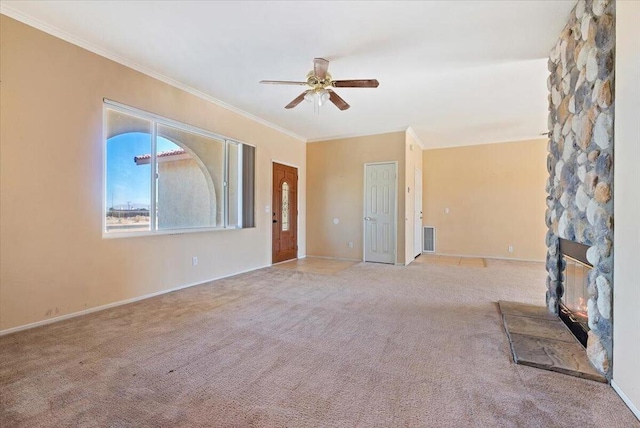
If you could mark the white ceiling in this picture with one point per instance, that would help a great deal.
(457, 72)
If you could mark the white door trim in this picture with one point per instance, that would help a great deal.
(418, 246)
(364, 210)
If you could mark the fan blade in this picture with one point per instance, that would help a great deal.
(282, 82)
(320, 67)
(297, 100)
(339, 102)
(362, 83)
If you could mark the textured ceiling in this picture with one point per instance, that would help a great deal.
(458, 73)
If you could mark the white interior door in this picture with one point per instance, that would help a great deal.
(380, 213)
(417, 214)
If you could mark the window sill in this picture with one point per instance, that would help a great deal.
(118, 235)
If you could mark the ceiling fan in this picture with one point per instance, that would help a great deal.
(320, 82)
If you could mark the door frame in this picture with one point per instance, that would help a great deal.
(271, 209)
(417, 227)
(364, 210)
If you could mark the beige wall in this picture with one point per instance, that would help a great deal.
(495, 194)
(52, 256)
(413, 160)
(335, 179)
(626, 287)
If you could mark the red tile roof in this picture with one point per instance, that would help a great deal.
(175, 152)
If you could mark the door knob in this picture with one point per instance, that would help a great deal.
(367, 218)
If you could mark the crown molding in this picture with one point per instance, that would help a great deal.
(415, 137)
(60, 34)
(486, 143)
(409, 130)
(354, 135)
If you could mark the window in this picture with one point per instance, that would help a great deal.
(285, 206)
(164, 176)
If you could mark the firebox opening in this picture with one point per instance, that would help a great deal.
(573, 303)
(579, 330)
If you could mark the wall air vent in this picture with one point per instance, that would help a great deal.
(429, 239)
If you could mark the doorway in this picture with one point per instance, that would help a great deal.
(417, 214)
(284, 235)
(380, 206)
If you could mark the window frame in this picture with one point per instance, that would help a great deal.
(156, 120)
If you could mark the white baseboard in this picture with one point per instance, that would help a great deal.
(114, 304)
(626, 399)
(433, 254)
(284, 261)
(487, 257)
(334, 258)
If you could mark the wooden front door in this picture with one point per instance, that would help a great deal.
(285, 213)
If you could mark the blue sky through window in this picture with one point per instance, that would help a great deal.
(128, 184)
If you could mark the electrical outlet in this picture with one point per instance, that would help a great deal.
(350, 244)
(446, 210)
(194, 261)
(511, 248)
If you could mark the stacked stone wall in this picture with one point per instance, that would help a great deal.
(580, 163)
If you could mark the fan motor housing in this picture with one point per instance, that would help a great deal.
(317, 84)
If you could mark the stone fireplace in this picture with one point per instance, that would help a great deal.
(580, 184)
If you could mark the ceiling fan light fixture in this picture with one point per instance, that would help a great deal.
(323, 96)
(319, 80)
(318, 97)
(309, 96)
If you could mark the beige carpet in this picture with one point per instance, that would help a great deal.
(451, 260)
(316, 265)
(372, 345)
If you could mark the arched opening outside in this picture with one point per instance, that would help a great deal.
(185, 191)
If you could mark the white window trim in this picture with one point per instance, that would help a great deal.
(157, 119)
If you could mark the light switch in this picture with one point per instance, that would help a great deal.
(267, 209)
